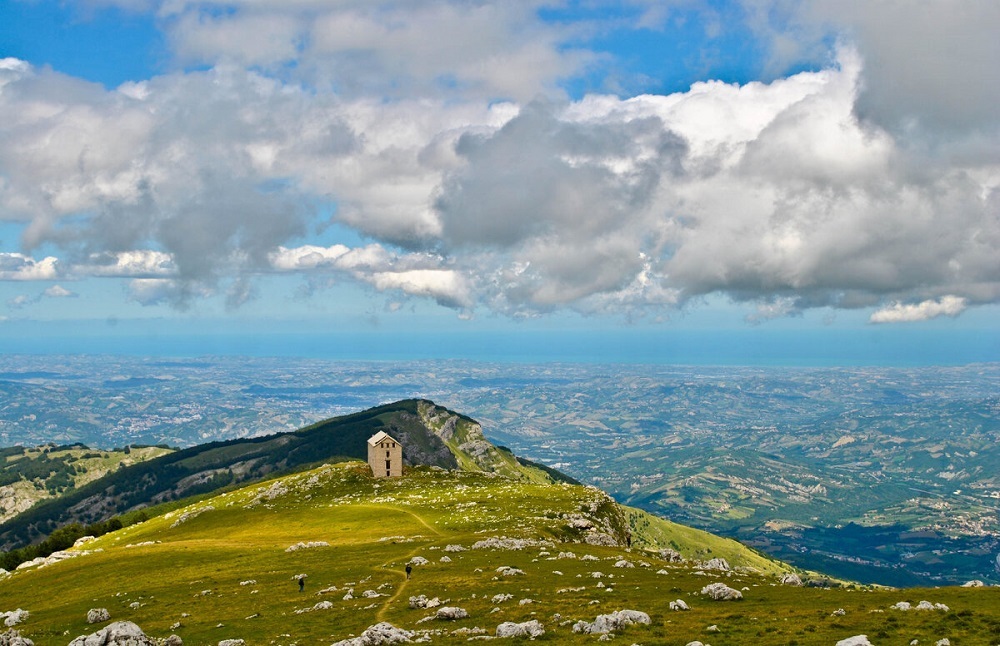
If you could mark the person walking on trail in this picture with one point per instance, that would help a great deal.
(302, 583)
(409, 569)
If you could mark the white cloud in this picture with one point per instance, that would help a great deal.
(58, 291)
(160, 291)
(906, 313)
(446, 287)
(140, 263)
(18, 267)
(830, 188)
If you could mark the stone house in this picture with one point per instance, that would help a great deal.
(385, 456)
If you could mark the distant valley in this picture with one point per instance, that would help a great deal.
(874, 474)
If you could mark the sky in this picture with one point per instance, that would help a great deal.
(766, 169)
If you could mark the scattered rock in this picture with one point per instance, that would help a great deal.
(421, 601)
(451, 613)
(454, 548)
(530, 629)
(378, 635)
(173, 640)
(839, 612)
(306, 546)
(612, 622)
(857, 640)
(721, 592)
(322, 605)
(506, 570)
(14, 617)
(975, 583)
(712, 629)
(600, 538)
(671, 556)
(500, 598)
(13, 638)
(623, 563)
(504, 543)
(943, 642)
(901, 605)
(445, 559)
(97, 615)
(679, 605)
(418, 560)
(120, 633)
(716, 564)
(232, 642)
(791, 578)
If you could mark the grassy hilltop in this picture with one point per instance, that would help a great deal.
(222, 568)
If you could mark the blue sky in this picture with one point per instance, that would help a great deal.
(755, 168)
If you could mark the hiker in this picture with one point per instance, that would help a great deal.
(302, 583)
(409, 568)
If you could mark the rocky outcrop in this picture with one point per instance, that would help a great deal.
(97, 615)
(790, 578)
(120, 633)
(529, 629)
(451, 613)
(716, 564)
(721, 592)
(381, 634)
(612, 622)
(14, 617)
(857, 640)
(13, 638)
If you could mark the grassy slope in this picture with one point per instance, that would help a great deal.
(374, 527)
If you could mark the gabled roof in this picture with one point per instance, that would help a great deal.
(378, 437)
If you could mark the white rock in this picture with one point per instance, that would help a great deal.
(791, 578)
(97, 615)
(716, 564)
(900, 605)
(123, 633)
(614, 621)
(975, 583)
(679, 605)
(857, 640)
(721, 592)
(380, 634)
(506, 570)
(451, 613)
(943, 642)
(530, 629)
(14, 617)
(13, 638)
(418, 560)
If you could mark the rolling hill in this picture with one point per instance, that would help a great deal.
(431, 434)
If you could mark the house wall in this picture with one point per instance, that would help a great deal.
(386, 459)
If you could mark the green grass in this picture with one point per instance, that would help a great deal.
(375, 526)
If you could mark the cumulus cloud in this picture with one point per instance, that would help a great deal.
(17, 266)
(58, 291)
(826, 188)
(414, 274)
(24, 300)
(899, 312)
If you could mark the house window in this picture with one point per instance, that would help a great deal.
(386, 455)
(388, 466)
